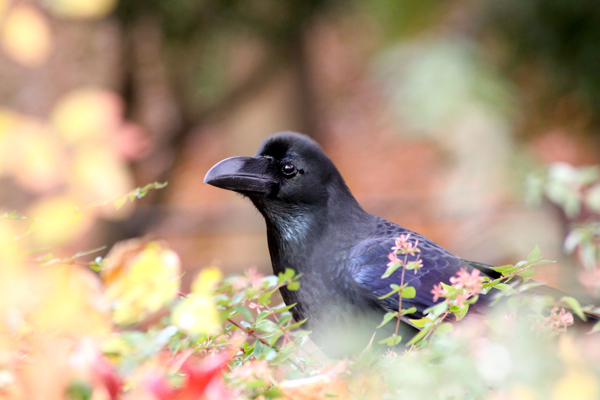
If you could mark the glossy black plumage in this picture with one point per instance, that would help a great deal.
(316, 227)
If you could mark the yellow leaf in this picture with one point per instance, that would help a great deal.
(99, 174)
(3, 7)
(207, 280)
(120, 202)
(37, 158)
(58, 221)
(8, 121)
(70, 301)
(197, 314)
(567, 350)
(11, 255)
(82, 8)
(576, 384)
(520, 392)
(141, 278)
(26, 35)
(13, 280)
(87, 114)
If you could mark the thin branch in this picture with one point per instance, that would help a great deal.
(251, 333)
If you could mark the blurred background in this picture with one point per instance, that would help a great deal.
(434, 111)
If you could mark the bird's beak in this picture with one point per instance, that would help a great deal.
(241, 174)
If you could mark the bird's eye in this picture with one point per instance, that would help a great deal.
(288, 169)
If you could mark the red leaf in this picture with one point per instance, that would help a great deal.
(159, 387)
(109, 377)
(199, 376)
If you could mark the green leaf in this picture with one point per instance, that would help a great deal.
(506, 269)
(286, 276)
(273, 338)
(505, 288)
(420, 323)
(262, 351)
(535, 255)
(596, 327)
(527, 274)
(284, 308)
(391, 341)
(395, 289)
(300, 333)
(273, 393)
(244, 311)
(461, 312)
(412, 265)
(409, 292)
(444, 328)
(256, 384)
(266, 325)
(284, 319)
(262, 315)
(390, 270)
(437, 310)
(297, 324)
(265, 298)
(387, 318)
(293, 286)
(420, 335)
(120, 202)
(409, 311)
(78, 390)
(575, 306)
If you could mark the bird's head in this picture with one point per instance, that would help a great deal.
(289, 174)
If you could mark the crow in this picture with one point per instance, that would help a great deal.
(316, 227)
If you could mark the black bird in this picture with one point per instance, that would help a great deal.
(316, 227)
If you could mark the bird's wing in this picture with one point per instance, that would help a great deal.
(367, 262)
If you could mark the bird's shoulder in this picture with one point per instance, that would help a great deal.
(374, 248)
(367, 260)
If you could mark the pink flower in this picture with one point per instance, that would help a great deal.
(460, 298)
(393, 259)
(473, 282)
(403, 246)
(400, 242)
(438, 291)
(559, 320)
(255, 306)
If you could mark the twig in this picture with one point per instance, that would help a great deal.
(286, 335)
(251, 333)
(400, 301)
